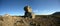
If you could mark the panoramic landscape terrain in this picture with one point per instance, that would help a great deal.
(39, 20)
(29, 12)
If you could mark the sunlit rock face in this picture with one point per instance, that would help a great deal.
(10, 20)
(28, 12)
(27, 9)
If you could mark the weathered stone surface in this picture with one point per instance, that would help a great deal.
(27, 9)
(28, 12)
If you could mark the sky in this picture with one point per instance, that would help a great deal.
(39, 7)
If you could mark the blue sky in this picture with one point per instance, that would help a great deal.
(39, 7)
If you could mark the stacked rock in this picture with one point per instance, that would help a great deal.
(28, 12)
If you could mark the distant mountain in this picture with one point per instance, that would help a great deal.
(56, 13)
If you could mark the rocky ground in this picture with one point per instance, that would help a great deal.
(39, 20)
